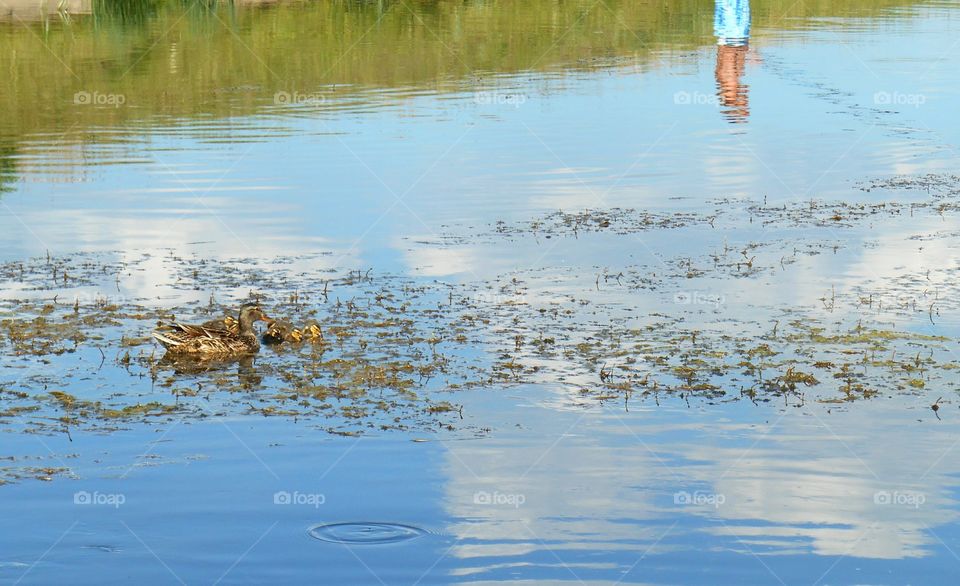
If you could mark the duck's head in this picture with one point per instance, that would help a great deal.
(251, 312)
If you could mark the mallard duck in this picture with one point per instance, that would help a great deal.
(201, 340)
(280, 331)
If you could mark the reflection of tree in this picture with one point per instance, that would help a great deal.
(119, 49)
(8, 171)
(124, 11)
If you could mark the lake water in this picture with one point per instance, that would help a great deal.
(612, 292)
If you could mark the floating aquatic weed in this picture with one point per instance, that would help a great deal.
(938, 195)
(405, 358)
(937, 185)
(398, 350)
(615, 220)
(10, 474)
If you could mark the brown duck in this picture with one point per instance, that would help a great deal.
(200, 340)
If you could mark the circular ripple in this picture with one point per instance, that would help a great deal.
(365, 533)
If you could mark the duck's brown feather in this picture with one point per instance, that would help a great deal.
(199, 339)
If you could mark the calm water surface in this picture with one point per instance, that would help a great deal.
(430, 142)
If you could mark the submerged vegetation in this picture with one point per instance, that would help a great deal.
(400, 353)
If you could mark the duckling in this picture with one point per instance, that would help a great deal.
(313, 333)
(280, 331)
(190, 339)
(227, 322)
